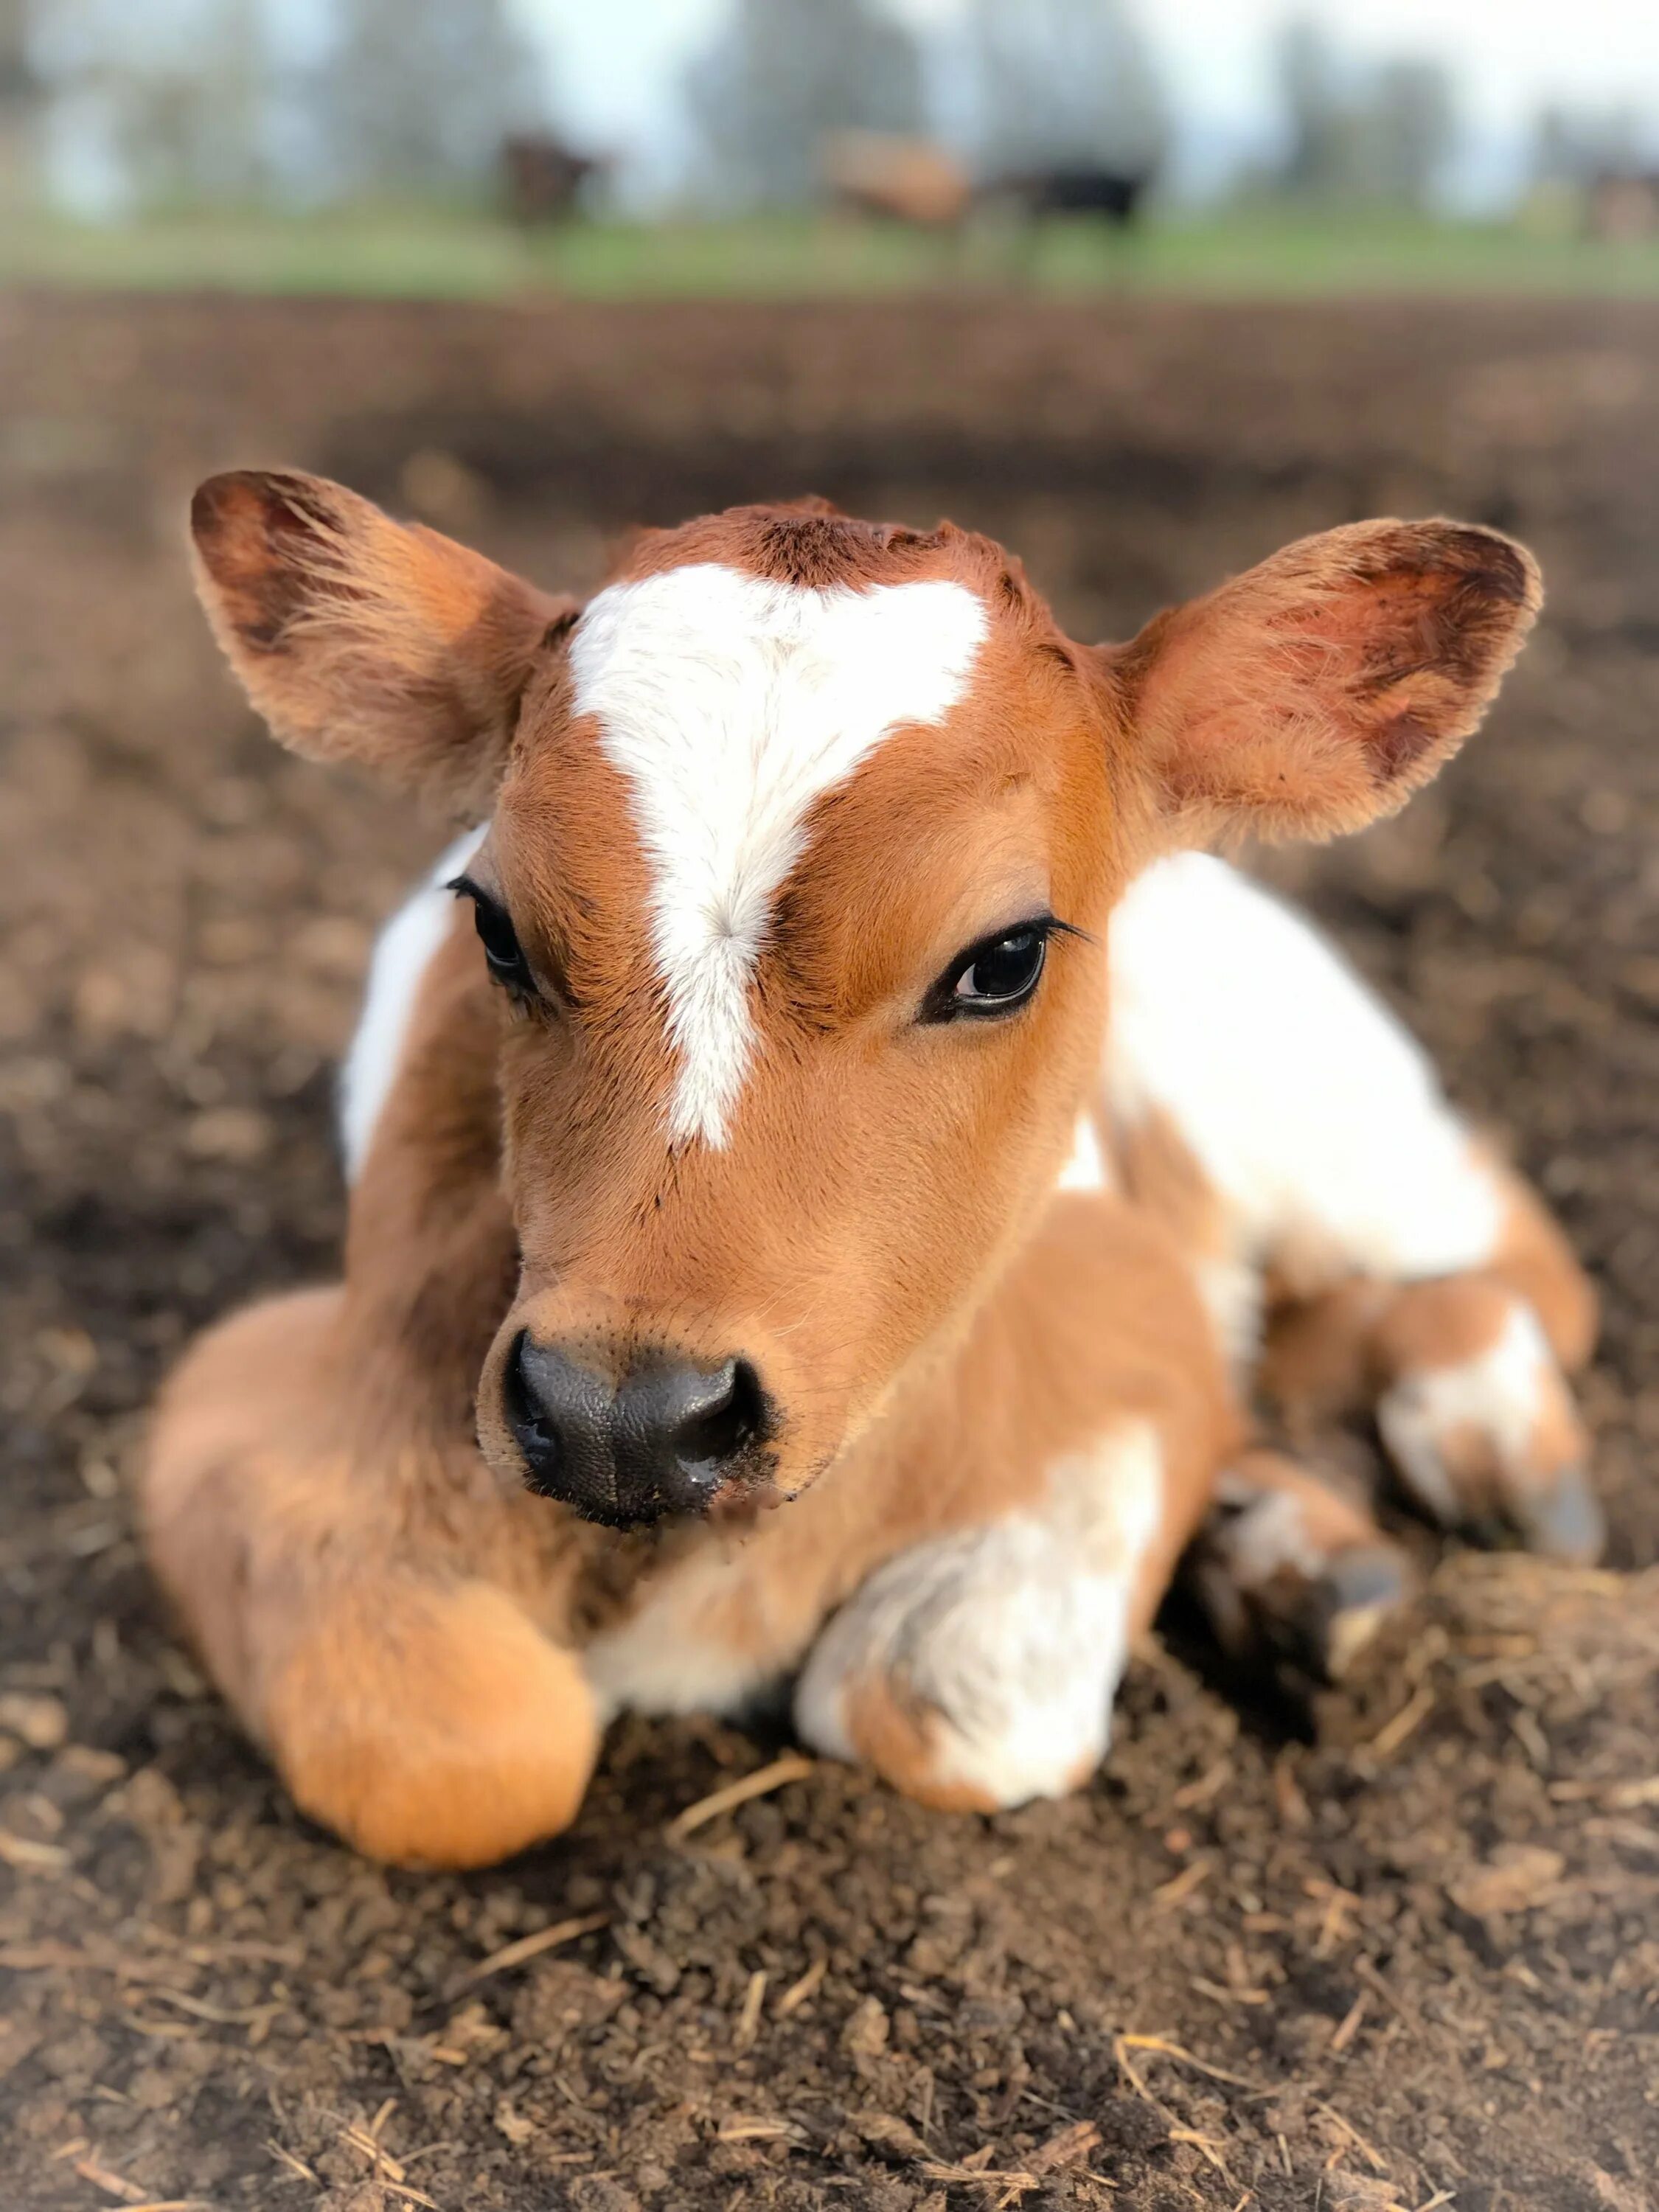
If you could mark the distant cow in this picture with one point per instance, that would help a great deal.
(1114, 195)
(544, 176)
(897, 179)
(1622, 205)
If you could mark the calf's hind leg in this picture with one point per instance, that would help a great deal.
(1466, 1375)
(409, 1703)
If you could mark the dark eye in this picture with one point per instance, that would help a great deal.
(992, 977)
(504, 954)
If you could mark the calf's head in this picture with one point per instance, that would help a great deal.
(802, 838)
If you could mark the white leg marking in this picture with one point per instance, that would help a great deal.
(1016, 1634)
(1317, 1119)
(1500, 1394)
(402, 951)
(731, 702)
(1269, 1530)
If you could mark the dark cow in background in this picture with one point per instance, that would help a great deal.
(1114, 195)
(543, 178)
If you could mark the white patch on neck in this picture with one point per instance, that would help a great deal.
(731, 702)
(403, 952)
(1086, 1165)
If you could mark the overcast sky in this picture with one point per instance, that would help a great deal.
(616, 62)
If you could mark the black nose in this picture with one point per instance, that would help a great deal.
(663, 1441)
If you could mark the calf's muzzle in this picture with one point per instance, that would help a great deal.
(669, 1438)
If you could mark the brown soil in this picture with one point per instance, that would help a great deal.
(1410, 1960)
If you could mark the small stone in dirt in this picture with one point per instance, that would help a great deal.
(598, 2192)
(1358, 2192)
(39, 1721)
(358, 2196)
(511, 2123)
(1127, 2124)
(885, 2132)
(561, 1997)
(236, 1135)
(87, 1763)
(866, 2029)
(1514, 1878)
(648, 1959)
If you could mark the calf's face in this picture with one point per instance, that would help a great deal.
(803, 837)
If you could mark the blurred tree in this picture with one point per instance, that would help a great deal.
(21, 105)
(1384, 136)
(1316, 154)
(781, 75)
(173, 102)
(415, 96)
(1574, 145)
(1062, 82)
(1404, 134)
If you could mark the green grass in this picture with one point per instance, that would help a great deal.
(444, 254)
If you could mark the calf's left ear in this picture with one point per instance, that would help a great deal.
(363, 638)
(1317, 691)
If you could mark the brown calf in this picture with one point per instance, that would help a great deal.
(833, 1300)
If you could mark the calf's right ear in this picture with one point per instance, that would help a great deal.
(365, 639)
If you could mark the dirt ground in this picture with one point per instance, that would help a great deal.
(1406, 1956)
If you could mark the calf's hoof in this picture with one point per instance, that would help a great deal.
(1290, 1575)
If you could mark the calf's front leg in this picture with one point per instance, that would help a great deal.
(369, 1636)
(977, 1668)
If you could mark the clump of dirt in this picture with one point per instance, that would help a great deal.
(1408, 1955)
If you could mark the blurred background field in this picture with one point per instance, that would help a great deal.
(483, 149)
(450, 253)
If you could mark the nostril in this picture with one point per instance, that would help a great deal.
(730, 1414)
(527, 1417)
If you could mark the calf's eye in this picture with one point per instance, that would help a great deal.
(503, 955)
(994, 976)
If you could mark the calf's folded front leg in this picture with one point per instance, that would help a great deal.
(977, 1668)
(410, 1702)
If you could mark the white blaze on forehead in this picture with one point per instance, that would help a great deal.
(731, 702)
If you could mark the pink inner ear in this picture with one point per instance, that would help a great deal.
(257, 536)
(1315, 692)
